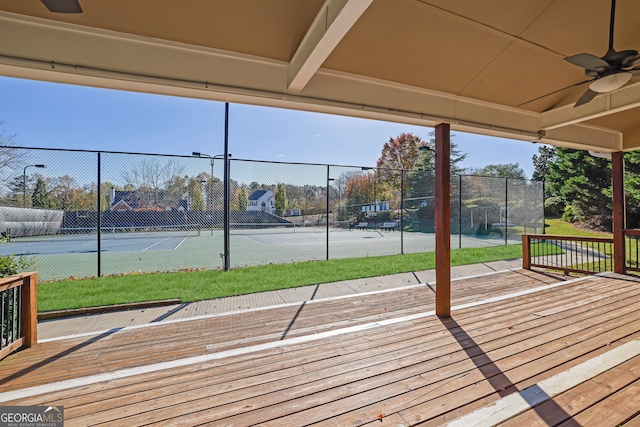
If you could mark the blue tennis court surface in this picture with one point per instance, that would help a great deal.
(82, 244)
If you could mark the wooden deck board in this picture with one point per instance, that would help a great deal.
(418, 370)
(184, 339)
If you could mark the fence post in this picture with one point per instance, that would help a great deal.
(402, 211)
(99, 216)
(327, 211)
(506, 210)
(459, 211)
(226, 190)
(526, 252)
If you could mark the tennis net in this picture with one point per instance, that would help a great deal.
(283, 228)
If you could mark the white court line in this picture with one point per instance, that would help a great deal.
(180, 244)
(139, 370)
(269, 307)
(516, 403)
(157, 243)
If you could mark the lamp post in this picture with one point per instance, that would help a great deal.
(375, 204)
(24, 182)
(212, 159)
(225, 197)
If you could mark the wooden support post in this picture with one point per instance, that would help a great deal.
(526, 252)
(619, 216)
(443, 221)
(29, 309)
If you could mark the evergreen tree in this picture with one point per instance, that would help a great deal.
(582, 182)
(40, 197)
(281, 200)
(541, 162)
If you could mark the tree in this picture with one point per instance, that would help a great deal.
(281, 200)
(455, 156)
(541, 162)
(66, 194)
(149, 177)
(195, 196)
(40, 197)
(17, 190)
(632, 188)
(404, 153)
(399, 153)
(11, 158)
(582, 182)
(176, 188)
(503, 170)
(240, 200)
(359, 189)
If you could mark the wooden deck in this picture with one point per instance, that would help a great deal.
(567, 354)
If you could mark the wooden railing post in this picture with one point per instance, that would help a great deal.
(29, 310)
(27, 336)
(526, 252)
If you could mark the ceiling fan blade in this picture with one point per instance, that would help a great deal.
(555, 91)
(631, 61)
(634, 71)
(587, 61)
(63, 6)
(586, 97)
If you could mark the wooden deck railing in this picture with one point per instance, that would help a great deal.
(632, 250)
(18, 312)
(578, 254)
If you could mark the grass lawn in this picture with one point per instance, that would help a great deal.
(200, 285)
(558, 227)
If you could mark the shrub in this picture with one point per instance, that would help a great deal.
(12, 264)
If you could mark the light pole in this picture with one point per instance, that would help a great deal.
(375, 203)
(211, 158)
(225, 196)
(210, 192)
(24, 182)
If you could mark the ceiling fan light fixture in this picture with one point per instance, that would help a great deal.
(610, 83)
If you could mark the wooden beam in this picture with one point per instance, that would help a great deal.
(619, 217)
(332, 23)
(443, 221)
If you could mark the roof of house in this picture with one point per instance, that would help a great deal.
(257, 195)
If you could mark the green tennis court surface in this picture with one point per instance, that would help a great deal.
(61, 256)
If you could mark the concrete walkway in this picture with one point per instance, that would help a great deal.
(86, 324)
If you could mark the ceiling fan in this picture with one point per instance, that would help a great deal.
(63, 6)
(610, 72)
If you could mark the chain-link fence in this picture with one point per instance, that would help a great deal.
(87, 213)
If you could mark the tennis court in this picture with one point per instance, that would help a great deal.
(112, 239)
(148, 249)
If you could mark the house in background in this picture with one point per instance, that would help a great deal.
(262, 200)
(137, 201)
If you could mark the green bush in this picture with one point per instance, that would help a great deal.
(12, 264)
(568, 215)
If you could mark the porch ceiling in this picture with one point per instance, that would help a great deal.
(415, 61)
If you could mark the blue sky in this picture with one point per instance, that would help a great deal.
(50, 115)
